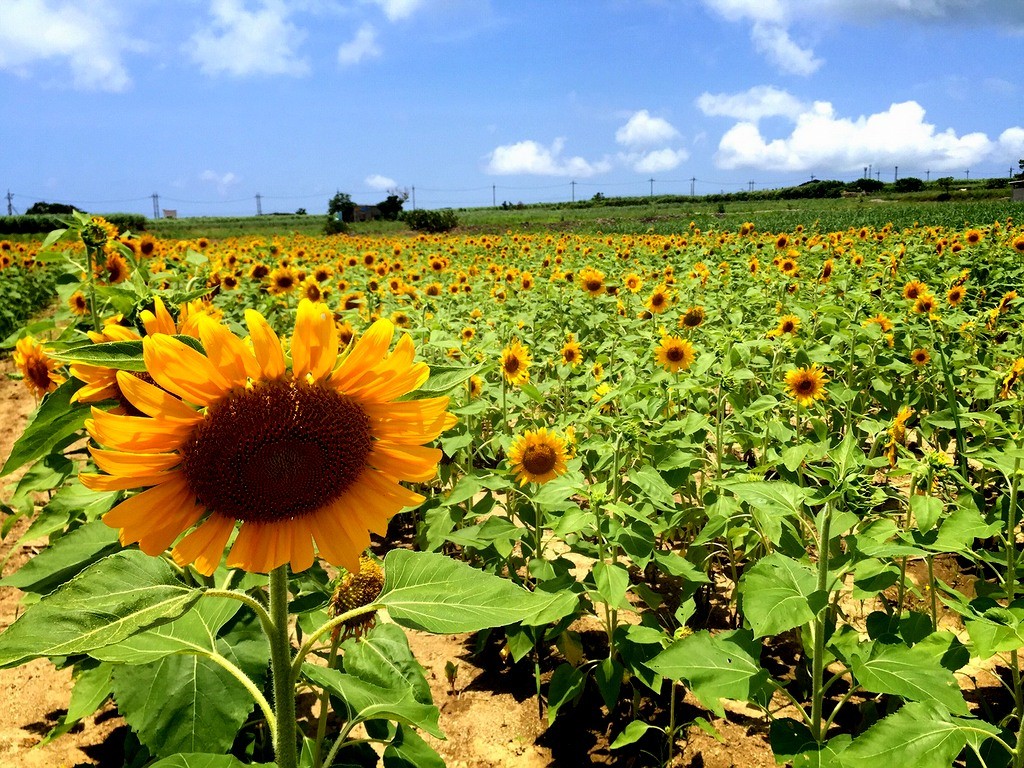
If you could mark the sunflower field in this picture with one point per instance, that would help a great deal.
(780, 469)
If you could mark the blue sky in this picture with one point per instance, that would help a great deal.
(211, 102)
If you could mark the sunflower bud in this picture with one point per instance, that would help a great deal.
(355, 590)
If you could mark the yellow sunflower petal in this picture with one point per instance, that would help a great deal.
(391, 490)
(133, 464)
(157, 540)
(159, 320)
(301, 555)
(123, 482)
(182, 370)
(412, 463)
(227, 352)
(266, 345)
(369, 349)
(315, 341)
(135, 433)
(154, 401)
(204, 547)
(334, 543)
(145, 511)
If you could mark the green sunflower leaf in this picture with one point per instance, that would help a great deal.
(433, 593)
(106, 603)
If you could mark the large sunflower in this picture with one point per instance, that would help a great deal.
(537, 456)
(302, 456)
(806, 385)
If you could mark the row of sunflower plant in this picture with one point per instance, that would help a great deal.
(662, 463)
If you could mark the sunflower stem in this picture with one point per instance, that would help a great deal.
(285, 741)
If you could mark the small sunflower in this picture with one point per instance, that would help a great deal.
(692, 318)
(955, 295)
(675, 354)
(282, 280)
(476, 386)
(36, 366)
(314, 455)
(920, 357)
(924, 304)
(78, 303)
(883, 322)
(788, 324)
(633, 282)
(1012, 377)
(659, 300)
(805, 385)
(914, 289)
(572, 353)
(537, 456)
(592, 281)
(515, 363)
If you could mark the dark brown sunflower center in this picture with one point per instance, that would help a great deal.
(38, 372)
(675, 354)
(278, 451)
(805, 386)
(539, 459)
(511, 364)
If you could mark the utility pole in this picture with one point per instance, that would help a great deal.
(573, 185)
(494, 195)
(414, 197)
(652, 186)
(878, 175)
(693, 181)
(968, 172)
(259, 204)
(750, 186)
(156, 206)
(869, 170)
(10, 200)
(927, 175)
(895, 174)
(865, 172)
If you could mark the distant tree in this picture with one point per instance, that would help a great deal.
(341, 205)
(300, 212)
(945, 182)
(909, 184)
(42, 209)
(1020, 164)
(391, 207)
(869, 185)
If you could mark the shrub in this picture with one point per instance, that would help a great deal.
(431, 221)
(909, 184)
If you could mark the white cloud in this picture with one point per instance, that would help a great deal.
(774, 41)
(1011, 143)
(772, 21)
(751, 105)
(244, 42)
(660, 160)
(83, 33)
(643, 130)
(383, 183)
(530, 157)
(397, 10)
(362, 46)
(223, 181)
(822, 141)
